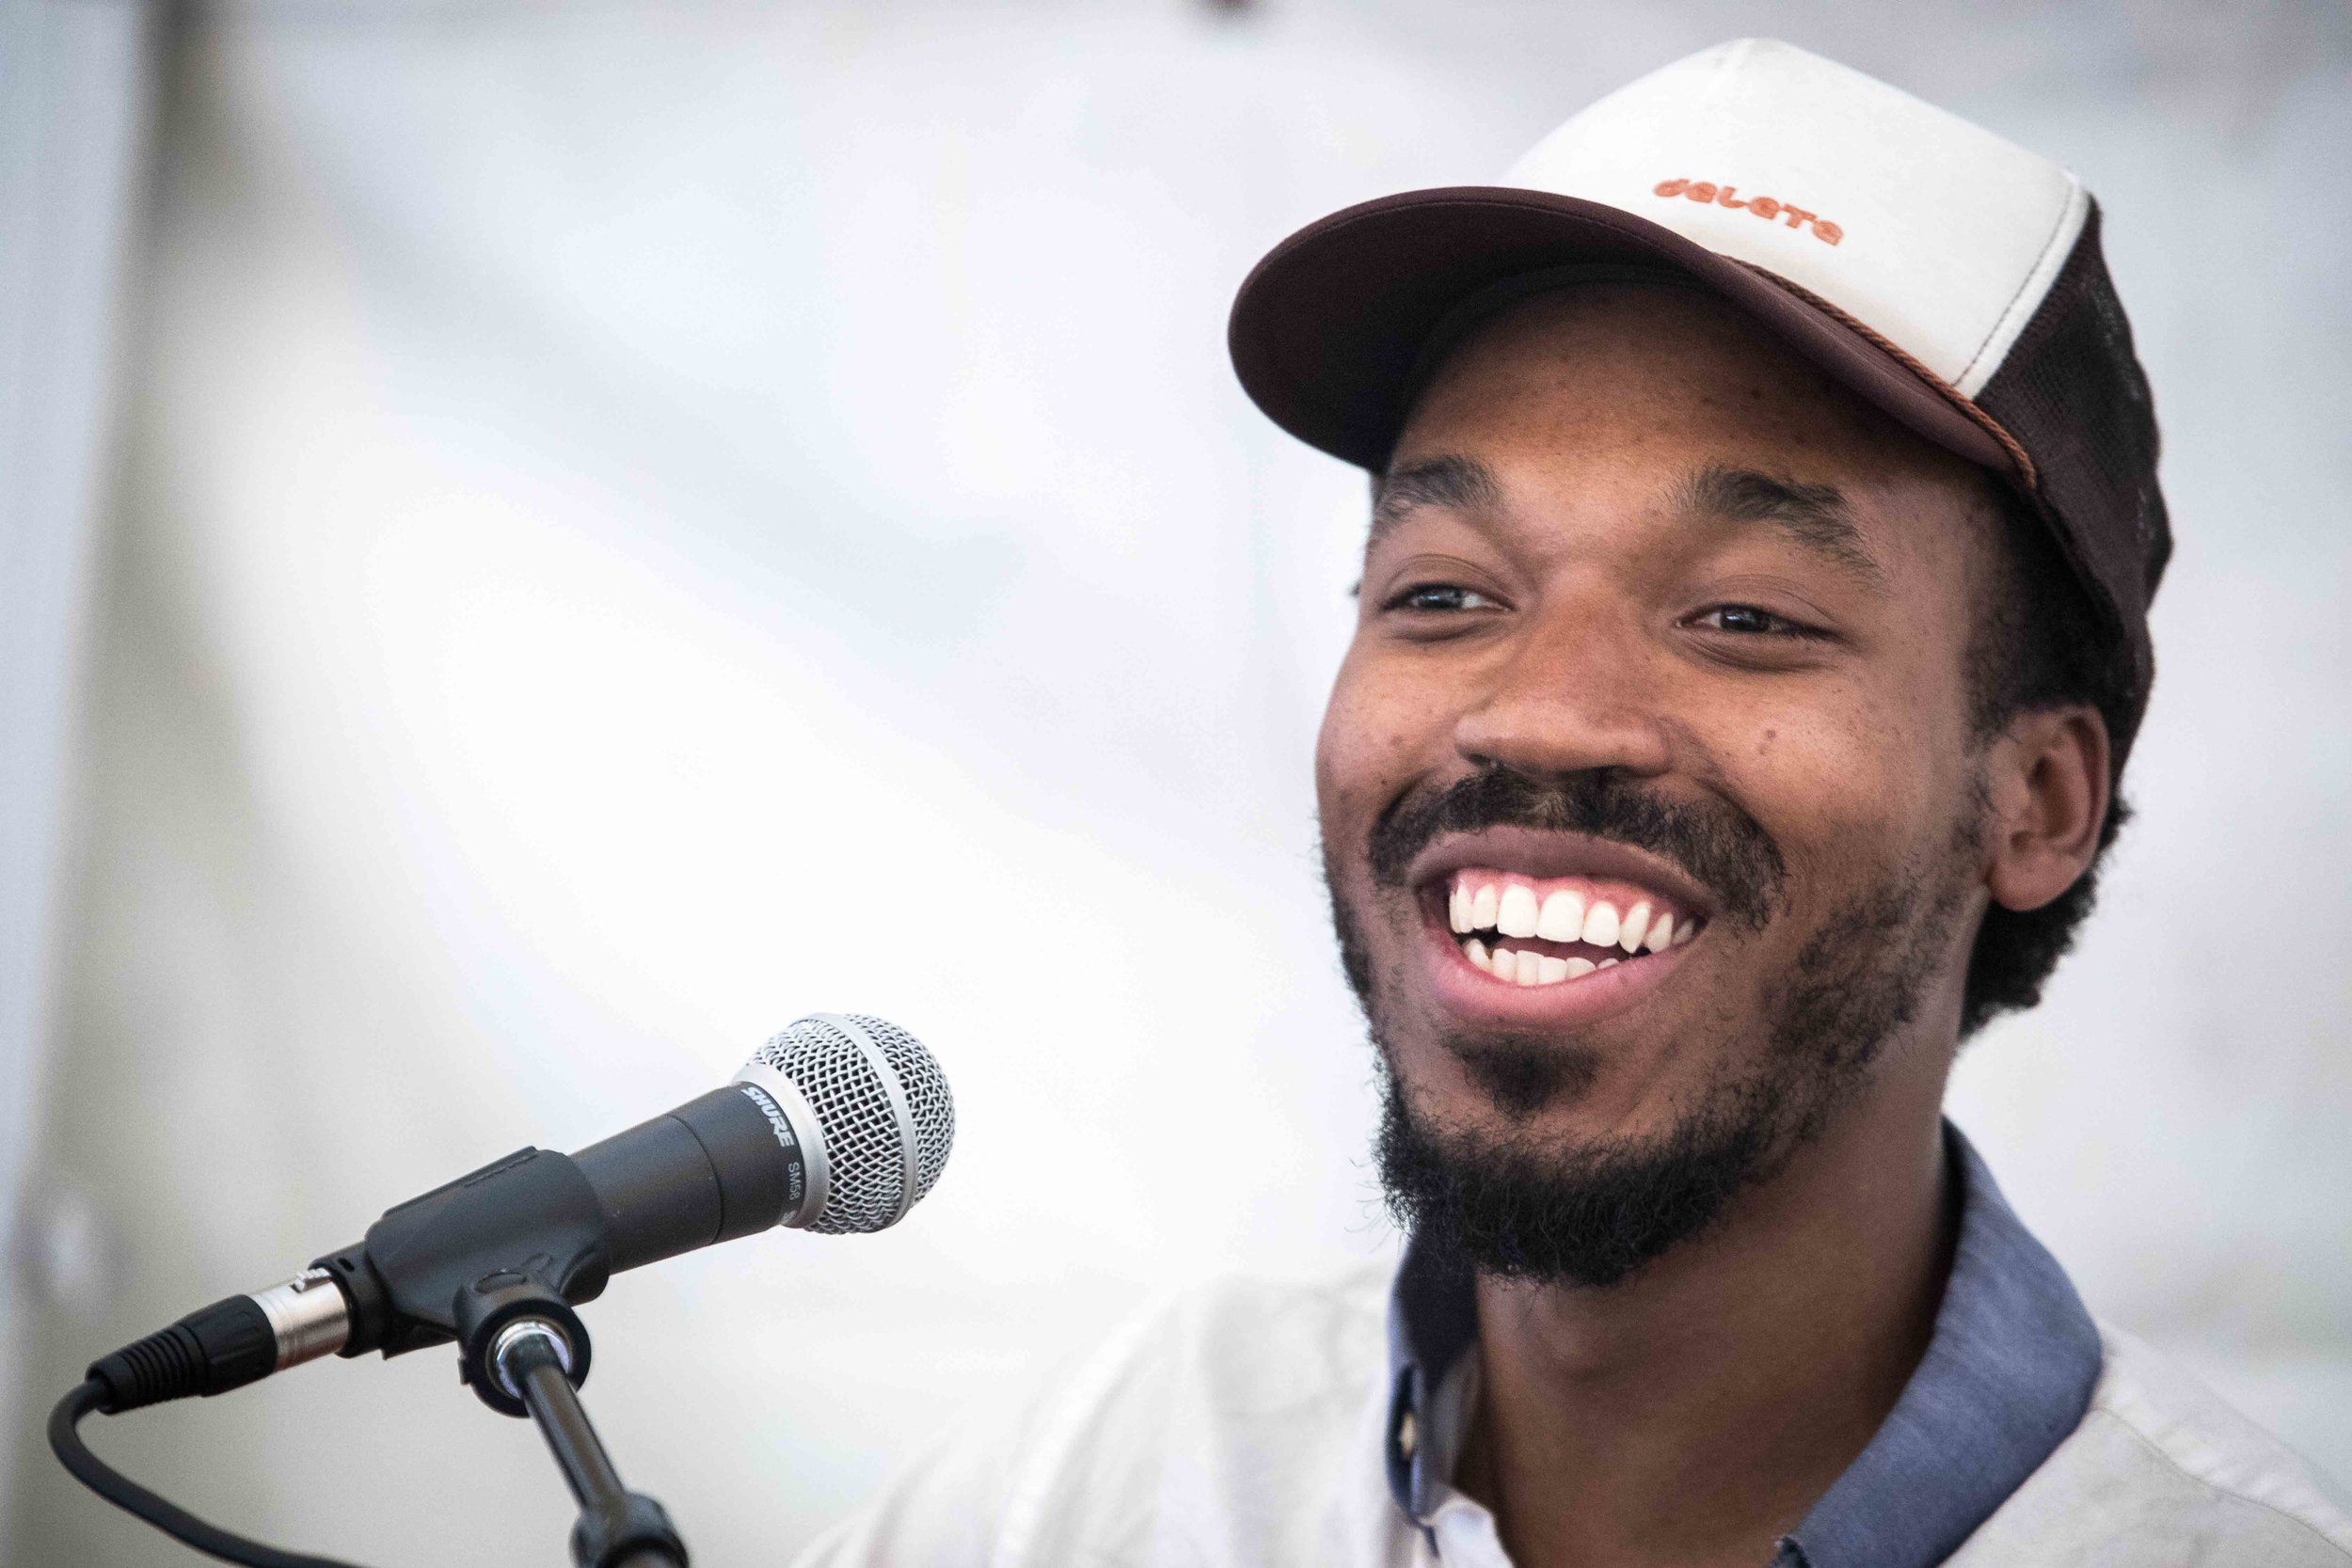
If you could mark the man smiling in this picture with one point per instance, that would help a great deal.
(1751, 634)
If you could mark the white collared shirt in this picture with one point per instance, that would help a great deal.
(1244, 1426)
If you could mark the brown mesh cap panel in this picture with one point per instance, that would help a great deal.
(2073, 393)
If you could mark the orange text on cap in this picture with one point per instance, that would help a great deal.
(1764, 207)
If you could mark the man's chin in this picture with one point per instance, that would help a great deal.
(1522, 1075)
(1538, 1207)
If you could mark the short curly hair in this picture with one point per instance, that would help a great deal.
(2040, 644)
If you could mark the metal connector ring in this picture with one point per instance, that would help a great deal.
(513, 1335)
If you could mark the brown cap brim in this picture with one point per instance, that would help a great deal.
(1329, 330)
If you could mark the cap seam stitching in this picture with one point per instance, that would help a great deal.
(2075, 193)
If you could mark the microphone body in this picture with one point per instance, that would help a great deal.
(723, 1164)
(838, 1124)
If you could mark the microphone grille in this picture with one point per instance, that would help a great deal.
(882, 1107)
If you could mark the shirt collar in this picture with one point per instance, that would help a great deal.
(1433, 1319)
(2008, 1373)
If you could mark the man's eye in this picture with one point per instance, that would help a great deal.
(1749, 621)
(1439, 598)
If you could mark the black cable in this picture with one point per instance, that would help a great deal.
(64, 1440)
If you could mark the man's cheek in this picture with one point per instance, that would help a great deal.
(1867, 766)
(1352, 766)
(1856, 809)
(1832, 787)
(1378, 723)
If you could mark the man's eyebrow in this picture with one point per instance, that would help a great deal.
(1463, 484)
(1814, 517)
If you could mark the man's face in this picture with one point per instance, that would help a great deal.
(1649, 798)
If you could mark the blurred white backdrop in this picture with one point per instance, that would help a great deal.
(631, 524)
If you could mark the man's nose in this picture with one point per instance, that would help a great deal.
(1578, 687)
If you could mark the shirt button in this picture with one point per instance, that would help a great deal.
(1407, 1435)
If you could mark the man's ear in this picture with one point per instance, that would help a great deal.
(2049, 784)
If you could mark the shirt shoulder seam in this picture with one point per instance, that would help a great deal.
(2324, 1536)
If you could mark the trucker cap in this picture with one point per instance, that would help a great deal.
(1950, 278)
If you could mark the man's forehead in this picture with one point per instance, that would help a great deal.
(1672, 400)
(1637, 367)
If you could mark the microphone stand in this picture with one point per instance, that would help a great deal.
(532, 1359)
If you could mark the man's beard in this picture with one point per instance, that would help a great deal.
(1520, 1206)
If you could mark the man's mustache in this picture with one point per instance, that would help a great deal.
(1722, 847)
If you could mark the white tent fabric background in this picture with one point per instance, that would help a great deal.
(73, 92)
(636, 524)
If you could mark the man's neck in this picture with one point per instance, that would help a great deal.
(1693, 1412)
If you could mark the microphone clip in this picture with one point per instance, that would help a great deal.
(494, 1311)
(531, 1217)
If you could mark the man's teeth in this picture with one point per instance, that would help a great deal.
(1497, 908)
(1515, 912)
(1563, 918)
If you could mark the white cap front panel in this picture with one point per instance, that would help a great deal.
(1937, 234)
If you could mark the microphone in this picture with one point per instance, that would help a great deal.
(838, 1125)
